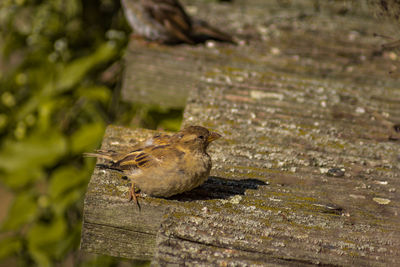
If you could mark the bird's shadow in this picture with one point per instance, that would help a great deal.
(219, 188)
(214, 188)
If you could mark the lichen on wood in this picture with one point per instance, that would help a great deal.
(308, 169)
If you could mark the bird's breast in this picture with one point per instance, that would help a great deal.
(189, 172)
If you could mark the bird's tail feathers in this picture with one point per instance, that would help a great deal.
(202, 31)
(100, 154)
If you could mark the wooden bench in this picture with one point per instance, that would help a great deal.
(308, 169)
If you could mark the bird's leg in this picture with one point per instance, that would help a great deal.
(133, 195)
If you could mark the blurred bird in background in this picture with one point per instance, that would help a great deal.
(166, 21)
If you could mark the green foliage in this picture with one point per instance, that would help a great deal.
(54, 105)
(16, 218)
(22, 162)
(155, 117)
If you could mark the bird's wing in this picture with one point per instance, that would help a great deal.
(138, 159)
(172, 16)
(149, 157)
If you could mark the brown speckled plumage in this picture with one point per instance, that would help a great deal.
(165, 165)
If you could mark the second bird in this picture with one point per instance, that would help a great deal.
(166, 21)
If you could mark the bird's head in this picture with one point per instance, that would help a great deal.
(196, 138)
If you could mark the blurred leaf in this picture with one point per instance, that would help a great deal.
(61, 204)
(41, 258)
(96, 93)
(87, 138)
(172, 124)
(36, 150)
(46, 111)
(99, 261)
(71, 8)
(74, 72)
(23, 176)
(168, 119)
(71, 240)
(44, 240)
(60, 78)
(43, 234)
(65, 178)
(22, 211)
(9, 245)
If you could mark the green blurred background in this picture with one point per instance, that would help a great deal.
(60, 74)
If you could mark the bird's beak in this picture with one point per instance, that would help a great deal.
(213, 136)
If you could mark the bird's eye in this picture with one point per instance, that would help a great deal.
(201, 137)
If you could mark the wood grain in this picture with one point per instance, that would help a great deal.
(308, 169)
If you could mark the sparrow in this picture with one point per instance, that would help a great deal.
(166, 21)
(164, 165)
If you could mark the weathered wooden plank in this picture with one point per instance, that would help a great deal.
(111, 224)
(117, 242)
(292, 39)
(332, 186)
(314, 120)
(308, 170)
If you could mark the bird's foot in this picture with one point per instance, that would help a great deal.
(133, 195)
